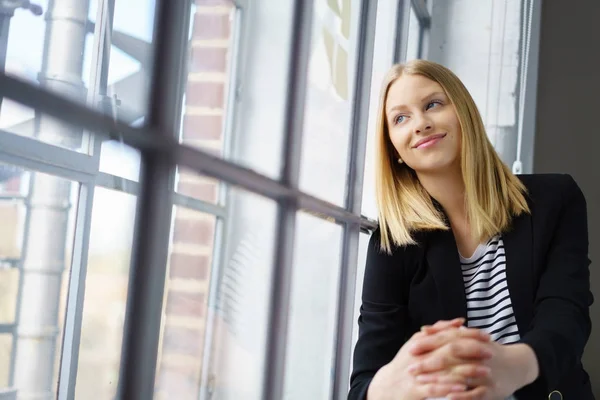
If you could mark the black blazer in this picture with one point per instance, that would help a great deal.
(547, 270)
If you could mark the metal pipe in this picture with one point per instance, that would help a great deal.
(356, 163)
(149, 259)
(48, 208)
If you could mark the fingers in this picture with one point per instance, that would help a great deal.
(479, 393)
(432, 390)
(456, 352)
(470, 375)
(441, 325)
(427, 343)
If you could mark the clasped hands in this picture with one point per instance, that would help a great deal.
(450, 361)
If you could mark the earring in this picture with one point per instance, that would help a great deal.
(400, 161)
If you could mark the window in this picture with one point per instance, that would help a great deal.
(209, 283)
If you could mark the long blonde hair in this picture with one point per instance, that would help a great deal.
(493, 195)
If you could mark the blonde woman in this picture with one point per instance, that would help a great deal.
(477, 280)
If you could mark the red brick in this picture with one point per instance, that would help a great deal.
(206, 191)
(205, 94)
(185, 304)
(211, 26)
(186, 341)
(193, 231)
(187, 266)
(202, 127)
(208, 59)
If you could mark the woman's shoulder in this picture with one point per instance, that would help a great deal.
(551, 190)
(542, 185)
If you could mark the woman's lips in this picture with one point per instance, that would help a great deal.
(430, 141)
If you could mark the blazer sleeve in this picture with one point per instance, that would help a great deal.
(561, 323)
(382, 325)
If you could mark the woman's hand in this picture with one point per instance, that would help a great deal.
(510, 367)
(395, 381)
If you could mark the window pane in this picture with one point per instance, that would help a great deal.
(5, 355)
(181, 352)
(37, 244)
(199, 187)
(211, 59)
(52, 50)
(129, 74)
(239, 299)
(261, 73)
(9, 284)
(111, 241)
(382, 61)
(313, 311)
(329, 100)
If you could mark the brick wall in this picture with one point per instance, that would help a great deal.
(182, 339)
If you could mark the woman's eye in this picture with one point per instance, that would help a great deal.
(432, 104)
(399, 119)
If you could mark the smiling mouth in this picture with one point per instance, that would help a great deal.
(429, 141)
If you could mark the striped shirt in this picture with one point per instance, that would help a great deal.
(488, 300)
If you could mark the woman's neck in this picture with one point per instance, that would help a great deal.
(448, 189)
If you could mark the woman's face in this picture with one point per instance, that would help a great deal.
(423, 124)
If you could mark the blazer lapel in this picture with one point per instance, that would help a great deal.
(518, 246)
(444, 264)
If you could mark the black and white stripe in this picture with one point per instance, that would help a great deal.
(488, 300)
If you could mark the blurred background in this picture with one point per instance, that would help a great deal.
(68, 196)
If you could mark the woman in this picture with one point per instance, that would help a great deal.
(462, 241)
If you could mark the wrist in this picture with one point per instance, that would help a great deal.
(523, 360)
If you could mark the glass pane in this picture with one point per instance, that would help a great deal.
(211, 59)
(111, 241)
(18, 119)
(236, 328)
(49, 45)
(9, 284)
(313, 311)
(131, 52)
(383, 57)
(41, 229)
(190, 183)
(185, 312)
(120, 161)
(329, 100)
(261, 75)
(128, 81)
(13, 186)
(5, 355)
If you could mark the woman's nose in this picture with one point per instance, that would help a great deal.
(422, 125)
